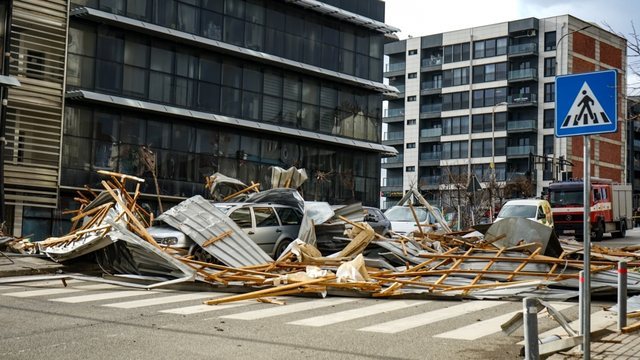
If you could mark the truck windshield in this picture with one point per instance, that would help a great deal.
(404, 214)
(566, 198)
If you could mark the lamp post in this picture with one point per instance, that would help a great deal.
(493, 155)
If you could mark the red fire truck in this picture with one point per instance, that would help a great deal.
(610, 208)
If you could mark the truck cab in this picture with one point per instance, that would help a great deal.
(609, 208)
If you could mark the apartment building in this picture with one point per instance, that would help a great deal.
(234, 86)
(480, 101)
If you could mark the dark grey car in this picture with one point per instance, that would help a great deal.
(376, 219)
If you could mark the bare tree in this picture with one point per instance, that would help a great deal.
(633, 56)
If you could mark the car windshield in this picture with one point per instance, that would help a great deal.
(403, 214)
(522, 211)
(565, 198)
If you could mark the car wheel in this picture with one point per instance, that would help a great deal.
(281, 246)
(199, 254)
(623, 230)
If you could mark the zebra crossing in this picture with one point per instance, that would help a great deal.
(332, 310)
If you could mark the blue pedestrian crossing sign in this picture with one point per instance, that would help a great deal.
(586, 103)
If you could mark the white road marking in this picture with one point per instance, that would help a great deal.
(197, 309)
(385, 306)
(103, 296)
(58, 290)
(163, 300)
(599, 320)
(487, 327)
(410, 322)
(289, 308)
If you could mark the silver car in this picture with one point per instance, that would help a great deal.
(272, 226)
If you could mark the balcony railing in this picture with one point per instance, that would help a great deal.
(395, 67)
(393, 112)
(430, 180)
(520, 150)
(430, 85)
(394, 181)
(523, 74)
(432, 61)
(400, 88)
(522, 99)
(434, 132)
(393, 160)
(394, 135)
(521, 125)
(523, 48)
(431, 156)
(515, 175)
(430, 108)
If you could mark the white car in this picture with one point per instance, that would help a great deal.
(533, 209)
(403, 222)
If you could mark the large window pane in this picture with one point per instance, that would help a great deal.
(135, 52)
(110, 47)
(134, 81)
(109, 76)
(82, 40)
(251, 79)
(209, 96)
(230, 101)
(187, 18)
(251, 105)
(211, 25)
(160, 87)
(209, 70)
(254, 37)
(185, 92)
(139, 9)
(233, 31)
(164, 13)
(161, 59)
(158, 134)
(231, 75)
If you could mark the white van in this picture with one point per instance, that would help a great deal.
(403, 222)
(533, 209)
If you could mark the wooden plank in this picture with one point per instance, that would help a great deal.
(217, 238)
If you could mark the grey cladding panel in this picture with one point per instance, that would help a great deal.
(524, 24)
(431, 41)
(397, 47)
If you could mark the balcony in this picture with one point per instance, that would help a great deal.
(400, 88)
(430, 133)
(432, 61)
(430, 182)
(430, 111)
(393, 162)
(392, 182)
(520, 100)
(513, 176)
(522, 126)
(393, 135)
(520, 151)
(395, 67)
(393, 112)
(523, 49)
(430, 87)
(430, 158)
(523, 75)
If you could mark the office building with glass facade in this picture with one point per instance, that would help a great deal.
(230, 86)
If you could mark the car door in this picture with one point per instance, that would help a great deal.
(266, 229)
(290, 218)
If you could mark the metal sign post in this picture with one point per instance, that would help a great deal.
(586, 104)
(585, 307)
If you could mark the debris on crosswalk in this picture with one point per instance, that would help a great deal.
(506, 260)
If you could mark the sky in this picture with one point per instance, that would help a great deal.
(424, 17)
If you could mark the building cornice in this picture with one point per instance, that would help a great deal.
(219, 46)
(228, 121)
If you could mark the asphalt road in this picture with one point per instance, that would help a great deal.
(95, 321)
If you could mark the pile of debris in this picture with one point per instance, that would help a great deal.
(513, 259)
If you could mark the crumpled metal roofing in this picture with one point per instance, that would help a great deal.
(201, 221)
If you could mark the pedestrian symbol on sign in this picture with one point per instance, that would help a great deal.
(585, 111)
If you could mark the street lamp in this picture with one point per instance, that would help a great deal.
(493, 155)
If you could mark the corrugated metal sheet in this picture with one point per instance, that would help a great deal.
(201, 221)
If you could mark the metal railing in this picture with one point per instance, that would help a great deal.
(393, 112)
(395, 66)
(523, 74)
(432, 61)
(523, 48)
(434, 132)
(393, 160)
(433, 180)
(431, 155)
(394, 181)
(430, 108)
(430, 85)
(393, 135)
(522, 99)
(520, 150)
(400, 88)
(521, 125)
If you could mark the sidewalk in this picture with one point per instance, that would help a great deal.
(612, 346)
(12, 265)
